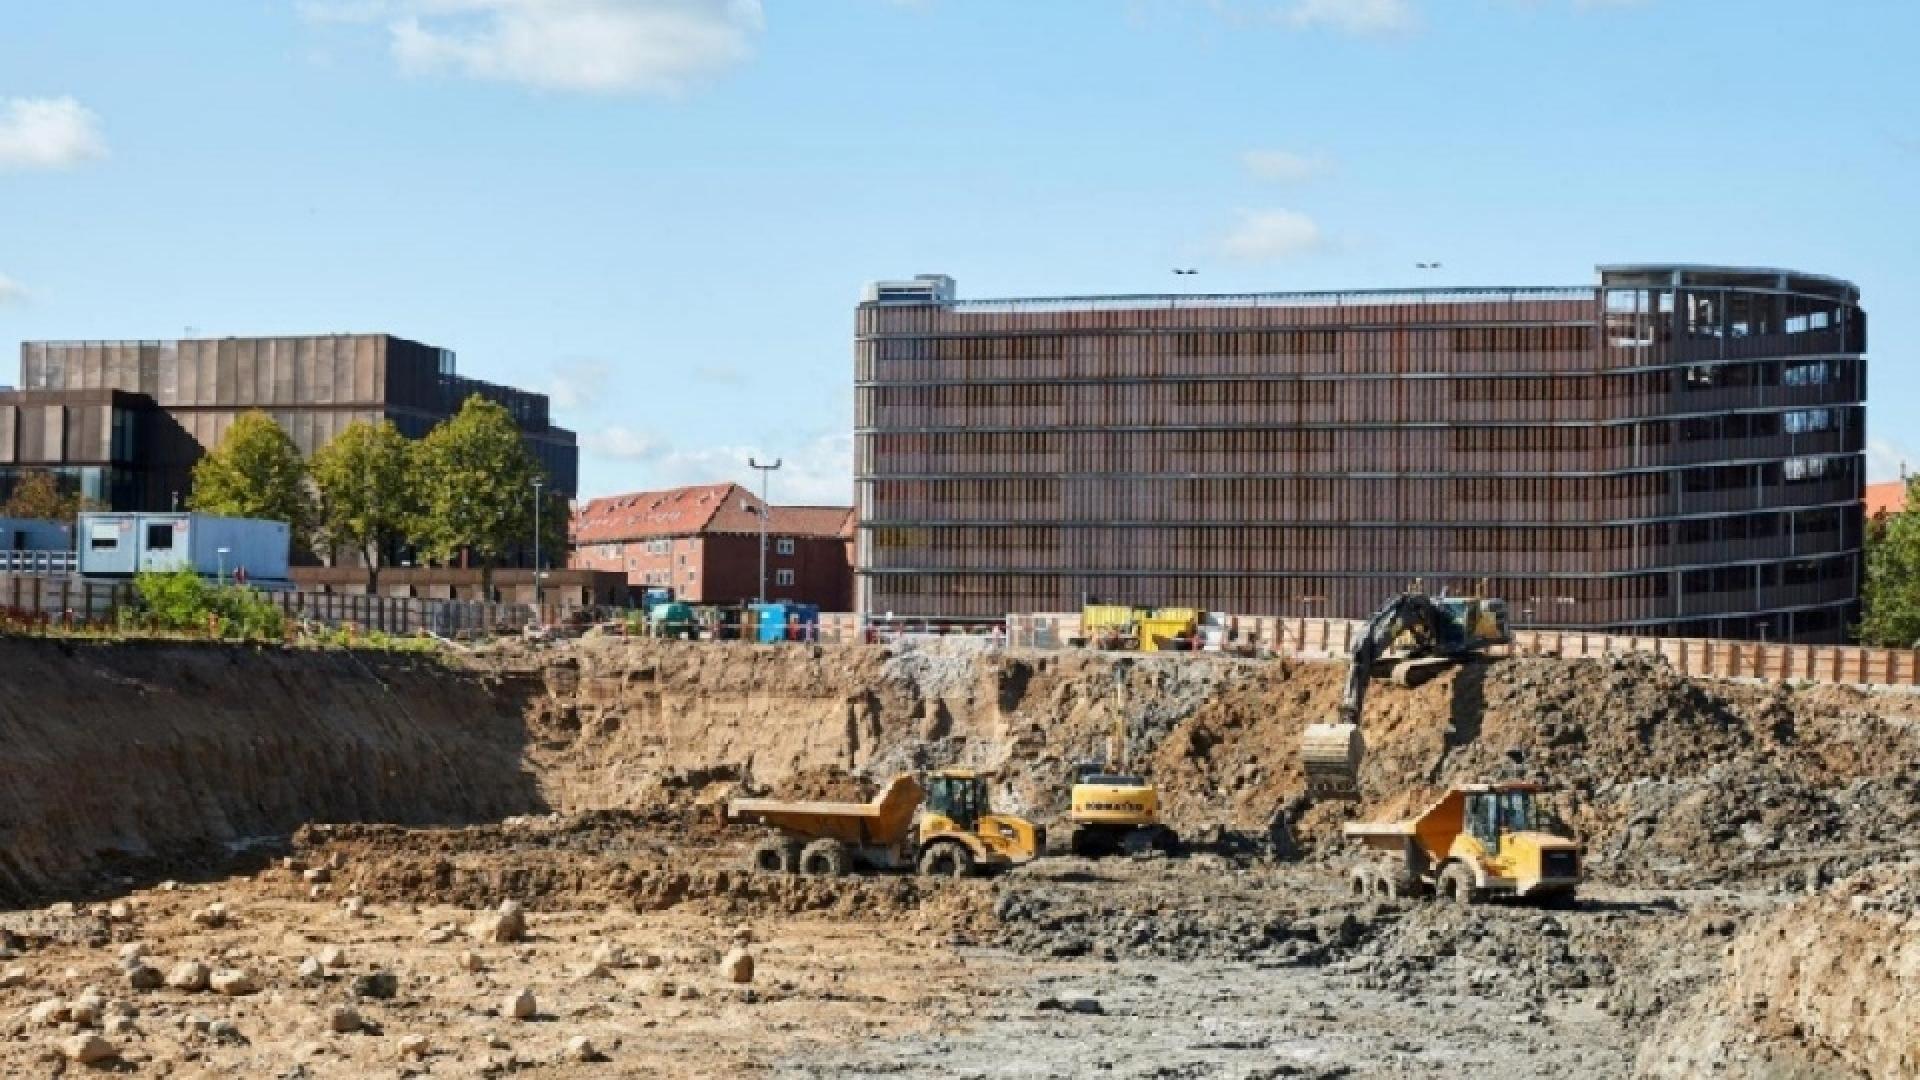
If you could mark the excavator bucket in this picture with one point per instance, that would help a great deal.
(1331, 754)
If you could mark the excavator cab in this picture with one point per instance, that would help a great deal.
(1420, 635)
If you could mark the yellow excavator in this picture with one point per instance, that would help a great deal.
(1477, 841)
(1412, 638)
(1113, 811)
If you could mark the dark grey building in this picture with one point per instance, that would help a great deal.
(124, 422)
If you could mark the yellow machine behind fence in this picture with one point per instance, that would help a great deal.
(945, 827)
(1477, 841)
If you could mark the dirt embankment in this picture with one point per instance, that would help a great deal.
(1669, 781)
(128, 759)
(117, 754)
(1828, 987)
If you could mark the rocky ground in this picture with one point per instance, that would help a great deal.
(349, 831)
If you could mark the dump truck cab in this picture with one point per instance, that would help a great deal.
(1476, 841)
(1505, 839)
(957, 814)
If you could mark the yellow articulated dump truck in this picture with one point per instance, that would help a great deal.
(944, 828)
(1476, 842)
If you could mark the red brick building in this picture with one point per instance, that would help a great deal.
(704, 544)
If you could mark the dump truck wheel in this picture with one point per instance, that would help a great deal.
(825, 858)
(1137, 843)
(1165, 840)
(769, 856)
(1457, 885)
(1361, 881)
(946, 860)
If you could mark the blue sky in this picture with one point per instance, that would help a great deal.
(663, 211)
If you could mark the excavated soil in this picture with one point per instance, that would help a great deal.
(1752, 912)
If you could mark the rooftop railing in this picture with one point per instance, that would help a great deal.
(1347, 298)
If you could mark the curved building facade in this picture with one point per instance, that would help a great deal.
(1677, 450)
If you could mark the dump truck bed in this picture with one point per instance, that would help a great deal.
(885, 821)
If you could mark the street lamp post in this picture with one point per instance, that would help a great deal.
(765, 470)
(538, 483)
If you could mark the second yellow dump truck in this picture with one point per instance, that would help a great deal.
(945, 827)
(1477, 841)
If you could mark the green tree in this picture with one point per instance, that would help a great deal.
(38, 495)
(1892, 597)
(475, 479)
(256, 472)
(365, 482)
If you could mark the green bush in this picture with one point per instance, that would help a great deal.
(182, 602)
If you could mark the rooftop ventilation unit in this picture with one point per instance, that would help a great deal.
(923, 289)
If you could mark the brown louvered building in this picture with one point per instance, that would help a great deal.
(124, 422)
(1677, 450)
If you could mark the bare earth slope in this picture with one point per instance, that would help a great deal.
(120, 757)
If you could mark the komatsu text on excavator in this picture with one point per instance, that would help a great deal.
(1411, 638)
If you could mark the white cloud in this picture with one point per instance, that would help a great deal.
(1284, 166)
(819, 472)
(1271, 234)
(1886, 460)
(11, 291)
(1360, 17)
(576, 384)
(623, 443)
(48, 133)
(608, 46)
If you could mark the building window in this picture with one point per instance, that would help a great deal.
(693, 575)
(159, 537)
(783, 577)
(783, 546)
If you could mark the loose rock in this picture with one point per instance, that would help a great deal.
(737, 966)
(88, 1049)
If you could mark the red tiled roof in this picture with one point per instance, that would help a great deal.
(688, 511)
(809, 520)
(1887, 498)
(675, 512)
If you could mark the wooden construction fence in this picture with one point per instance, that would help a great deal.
(1329, 639)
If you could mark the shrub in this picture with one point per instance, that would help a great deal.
(182, 602)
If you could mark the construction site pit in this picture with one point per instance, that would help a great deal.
(514, 860)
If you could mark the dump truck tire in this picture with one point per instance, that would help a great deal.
(946, 860)
(1456, 885)
(770, 856)
(1137, 843)
(826, 858)
(1360, 881)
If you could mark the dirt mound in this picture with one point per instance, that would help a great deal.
(826, 783)
(1668, 780)
(639, 862)
(1829, 986)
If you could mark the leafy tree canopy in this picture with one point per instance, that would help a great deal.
(476, 485)
(38, 494)
(367, 498)
(1893, 579)
(256, 472)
